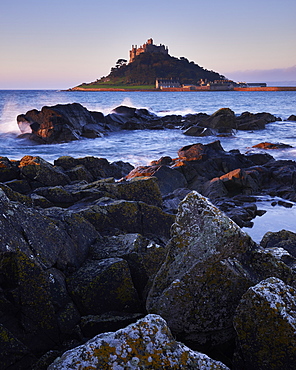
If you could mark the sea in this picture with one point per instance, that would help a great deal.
(139, 147)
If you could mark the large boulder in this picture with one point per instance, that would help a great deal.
(223, 120)
(202, 279)
(257, 121)
(60, 123)
(146, 344)
(265, 322)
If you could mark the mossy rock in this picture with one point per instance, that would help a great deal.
(265, 323)
(14, 354)
(79, 173)
(8, 170)
(15, 196)
(128, 216)
(57, 195)
(202, 279)
(144, 189)
(37, 169)
(103, 286)
(143, 256)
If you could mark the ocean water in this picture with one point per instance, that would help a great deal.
(140, 147)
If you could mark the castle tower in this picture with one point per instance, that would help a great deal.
(148, 47)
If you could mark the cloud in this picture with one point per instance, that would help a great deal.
(264, 75)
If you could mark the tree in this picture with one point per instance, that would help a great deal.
(120, 63)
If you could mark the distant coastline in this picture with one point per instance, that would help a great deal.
(202, 88)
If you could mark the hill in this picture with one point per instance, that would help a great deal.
(144, 68)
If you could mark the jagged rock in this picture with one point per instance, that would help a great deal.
(36, 169)
(251, 121)
(281, 239)
(169, 179)
(103, 285)
(109, 215)
(202, 279)
(57, 195)
(148, 343)
(265, 322)
(16, 196)
(143, 256)
(14, 354)
(20, 186)
(8, 170)
(60, 123)
(171, 201)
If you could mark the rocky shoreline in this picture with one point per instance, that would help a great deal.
(104, 265)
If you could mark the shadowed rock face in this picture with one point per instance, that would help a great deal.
(148, 343)
(265, 322)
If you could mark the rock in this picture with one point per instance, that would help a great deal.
(171, 201)
(266, 145)
(103, 286)
(222, 120)
(8, 170)
(202, 279)
(292, 117)
(98, 168)
(143, 256)
(144, 189)
(148, 343)
(197, 152)
(20, 186)
(60, 123)
(56, 195)
(240, 181)
(92, 325)
(36, 169)
(198, 131)
(280, 239)
(259, 158)
(110, 215)
(14, 354)
(251, 121)
(16, 196)
(169, 179)
(265, 323)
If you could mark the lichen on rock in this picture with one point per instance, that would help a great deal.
(146, 344)
(202, 279)
(265, 322)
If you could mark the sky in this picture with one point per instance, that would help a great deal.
(58, 44)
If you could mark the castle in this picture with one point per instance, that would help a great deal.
(149, 47)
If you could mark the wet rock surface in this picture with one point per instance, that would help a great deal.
(68, 122)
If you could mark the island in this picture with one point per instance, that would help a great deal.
(152, 68)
